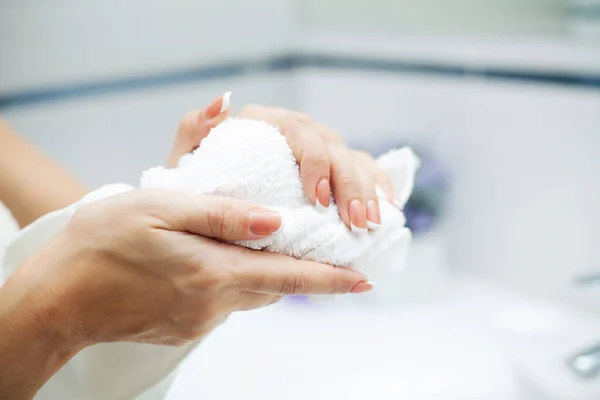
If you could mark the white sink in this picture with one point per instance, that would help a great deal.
(468, 344)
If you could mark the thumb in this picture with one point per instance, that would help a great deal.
(216, 217)
(196, 125)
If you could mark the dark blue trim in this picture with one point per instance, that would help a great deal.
(289, 63)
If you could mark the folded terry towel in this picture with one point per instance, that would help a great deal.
(240, 158)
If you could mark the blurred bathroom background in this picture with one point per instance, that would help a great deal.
(500, 298)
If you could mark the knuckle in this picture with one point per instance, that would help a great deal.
(221, 220)
(348, 181)
(205, 279)
(333, 288)
(338, 286)
(337, 282)
(294, 285)
(316, 163)
(188, 120)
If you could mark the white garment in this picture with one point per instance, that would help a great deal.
(244, 159)
(8, 231)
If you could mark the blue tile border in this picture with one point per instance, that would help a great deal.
(289, 63)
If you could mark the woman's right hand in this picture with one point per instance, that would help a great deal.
(144, 267)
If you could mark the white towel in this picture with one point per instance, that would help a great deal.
(251, 160)
(240, 158)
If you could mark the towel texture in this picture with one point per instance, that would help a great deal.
(248, 160)
(251, 160)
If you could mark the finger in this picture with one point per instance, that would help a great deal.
(347, 189)
(218, 110)
(367, 181)
(251, 300)
(281, 275)
(196, 125)
(211, 216)
(382, 181)
(311, 153)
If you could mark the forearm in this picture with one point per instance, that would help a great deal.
(31, 350)
(31, 184)
(27, 360)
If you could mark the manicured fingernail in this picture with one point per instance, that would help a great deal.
(362, 287)
(358, 217)
(358, 231)
(264, 221)
(323, 194)
(218, 106)
(226, 102)
(373, 216)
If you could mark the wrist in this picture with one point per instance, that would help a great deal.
(36, 335)
(31, 351)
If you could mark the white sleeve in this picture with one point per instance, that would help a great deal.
(8, 231)
(133, 370)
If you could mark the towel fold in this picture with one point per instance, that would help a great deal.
(240, 158)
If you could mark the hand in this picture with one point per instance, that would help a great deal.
(326, 164)
(140, 267)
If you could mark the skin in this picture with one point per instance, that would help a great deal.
(326, 164)
(153, 277)
(31, 184)
(159, 276)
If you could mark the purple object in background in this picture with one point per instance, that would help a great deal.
(419, 221)
(298, 299)
(431, 174)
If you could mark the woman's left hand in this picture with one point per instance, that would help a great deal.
(326, 163)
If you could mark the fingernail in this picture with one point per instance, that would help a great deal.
(373, 216)
(226, 102)
(358, 217)
(358, 231)
(323, 194)
(218, 106)
(362, 287)
(264, 221)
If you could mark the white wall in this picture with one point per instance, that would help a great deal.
(430, 17)
(523, 161)
(115, 137)
(523, 205)
(47, 43)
